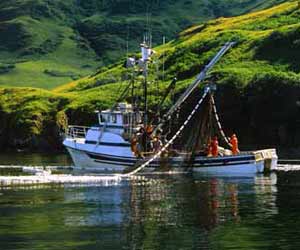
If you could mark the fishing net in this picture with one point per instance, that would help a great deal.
(190, 134)
(198, 133)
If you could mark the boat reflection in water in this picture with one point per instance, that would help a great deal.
(187, 210)
(148, 212)
(266, 194)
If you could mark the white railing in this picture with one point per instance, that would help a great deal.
(76, 132)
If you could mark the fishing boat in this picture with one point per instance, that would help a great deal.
(126, 138)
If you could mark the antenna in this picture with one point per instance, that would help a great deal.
(163, 74)
(127, 41)
(150, 31)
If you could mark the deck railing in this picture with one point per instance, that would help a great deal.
(76, 132)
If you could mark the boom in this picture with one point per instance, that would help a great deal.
(199, 78)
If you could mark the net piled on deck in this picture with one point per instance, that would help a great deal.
(196, 138)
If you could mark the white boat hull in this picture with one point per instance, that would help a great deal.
(240, 165)
(83, 161)
(250, 169)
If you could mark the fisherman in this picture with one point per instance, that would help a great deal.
(137, 146)
(209, 148)
(149, 130)
(142, 138)
(234, 144)
(156, 144)
(134, 146)
(214, 147)
(145, 138)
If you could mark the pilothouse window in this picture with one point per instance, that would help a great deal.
(114, 118)
(126, 119)
(109, 118)
(103, 118)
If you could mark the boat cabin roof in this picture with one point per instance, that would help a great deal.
(118, 115)
(120, 109)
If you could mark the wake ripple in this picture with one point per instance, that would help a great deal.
(59, 179)
(287, 168)
(43, 175)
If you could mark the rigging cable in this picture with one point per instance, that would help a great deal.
(163, 66)
(221, 131)
(175, 136)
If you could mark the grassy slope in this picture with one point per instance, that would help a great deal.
(254, 54)
(68, 39)
(261, 68)
(37, 37)
(259, 80)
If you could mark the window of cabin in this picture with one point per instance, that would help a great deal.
(114, 118)
(105, 118)
(102, 119)
(125, 117)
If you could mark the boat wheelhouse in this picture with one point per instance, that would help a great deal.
(122, 121)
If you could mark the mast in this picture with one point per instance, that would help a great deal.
(145, 72)
(146, 53)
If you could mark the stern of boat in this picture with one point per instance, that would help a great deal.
(268, 157)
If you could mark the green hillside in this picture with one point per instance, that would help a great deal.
(47, 43)
(258, 83)
(267, 43)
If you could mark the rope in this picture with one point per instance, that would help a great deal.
(164, 148)
(221, 131)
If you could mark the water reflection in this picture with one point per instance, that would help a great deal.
(170, 207)
(35, 159)
(266, 194)
(100, 206)
(161, 212)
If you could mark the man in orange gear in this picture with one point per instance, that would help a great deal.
(134, 143)
(234, 144)
(208, 148)
(214, 147)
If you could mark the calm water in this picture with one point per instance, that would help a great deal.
(158, 212)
